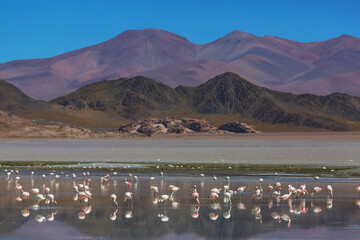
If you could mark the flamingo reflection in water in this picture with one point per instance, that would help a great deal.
(195, 211)
(113, 215)
(227, 214)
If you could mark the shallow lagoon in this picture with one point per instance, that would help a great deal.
(246, 218)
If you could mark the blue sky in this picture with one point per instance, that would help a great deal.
(43, 28)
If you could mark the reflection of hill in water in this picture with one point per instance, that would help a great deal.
(146, 223)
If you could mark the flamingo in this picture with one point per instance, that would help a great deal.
(38, 198)
(154, 190)
(303, 189)
(215, 190)
(127, 183)
(260, 181)
(241, 190)
(35, 191)
(195, 195)
(213, 196)
(163, 199)
(88, 194)
(258, 191)
(24, 195)
(18, 187)
(286, 196)
(278, 186)
(228, 180)
(330, 191)
(291, 189)
(50, 198)
(173, 190)
(227, 197)
(151, 180)
(276, 194)
(128, 196)
(113, 200)
(316, 190)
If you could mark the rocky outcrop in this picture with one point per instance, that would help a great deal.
(238, 127)
(182, 126)
(168, 125)
(12, 126)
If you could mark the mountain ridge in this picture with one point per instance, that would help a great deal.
(273, 62)
(225, 95)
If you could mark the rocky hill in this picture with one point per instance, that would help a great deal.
(14, 100)
(227, 95)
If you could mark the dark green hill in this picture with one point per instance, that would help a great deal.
(15, 101)
(133, 98)
(225, 96)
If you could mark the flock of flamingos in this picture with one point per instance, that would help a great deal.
(216, 196)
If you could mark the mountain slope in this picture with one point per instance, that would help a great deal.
(13, 100)
(227, 95)
(132, 98)
(128, 53)
(273, 62)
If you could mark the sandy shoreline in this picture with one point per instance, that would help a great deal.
(276, 136)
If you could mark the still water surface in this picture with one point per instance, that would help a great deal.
(142, 218)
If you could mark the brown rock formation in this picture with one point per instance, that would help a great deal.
(168, 125)
(238, 127)
(182, 126)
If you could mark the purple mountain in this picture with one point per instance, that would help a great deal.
(281, 64)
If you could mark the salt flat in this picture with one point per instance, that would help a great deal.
(342, 149)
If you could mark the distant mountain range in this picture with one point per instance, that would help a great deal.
(317, 67)
(219, 99)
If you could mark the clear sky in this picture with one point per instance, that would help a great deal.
(44, 28)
